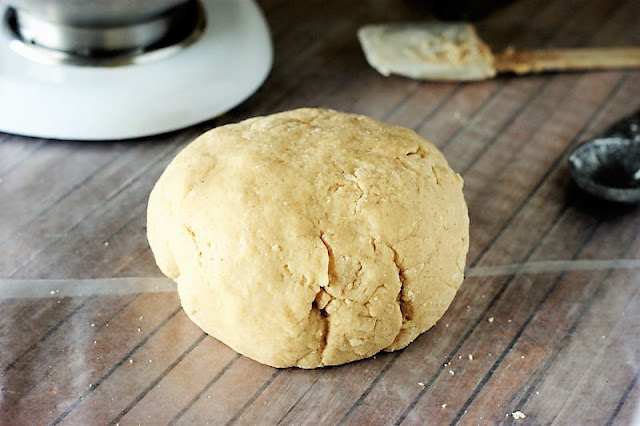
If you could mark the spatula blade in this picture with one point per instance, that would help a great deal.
(427, 51)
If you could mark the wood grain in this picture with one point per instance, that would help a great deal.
(559, 346)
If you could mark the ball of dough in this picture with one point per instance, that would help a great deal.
(311, 237)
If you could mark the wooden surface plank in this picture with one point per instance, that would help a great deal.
(189, 374)
(516, 338)
(226, 395)
(42, 317)
(112, 391)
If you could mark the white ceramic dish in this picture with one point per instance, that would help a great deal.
(223, 68)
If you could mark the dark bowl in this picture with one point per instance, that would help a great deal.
(608, 168)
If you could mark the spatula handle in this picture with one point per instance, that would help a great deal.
(529, 61)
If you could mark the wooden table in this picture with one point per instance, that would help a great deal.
(546, 323)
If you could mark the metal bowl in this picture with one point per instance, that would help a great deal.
(101, 32)
(94, 13)
(608, 168)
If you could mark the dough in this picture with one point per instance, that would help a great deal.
(427, 50)
(311, 237)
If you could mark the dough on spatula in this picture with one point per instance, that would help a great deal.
(427, 51)
(311, 237)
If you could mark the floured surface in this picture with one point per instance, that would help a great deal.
(429, 51)
(311, 237)
(550, 271)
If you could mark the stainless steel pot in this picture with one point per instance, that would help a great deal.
(94, 13)
(98, 32)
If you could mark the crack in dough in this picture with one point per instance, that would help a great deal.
(435, 172)
(324, 298)
(417, 151)
(331, 262)
(406, 306)
(192, 235)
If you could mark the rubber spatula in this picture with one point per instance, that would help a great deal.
(453, 51)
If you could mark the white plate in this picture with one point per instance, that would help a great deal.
(221, 69)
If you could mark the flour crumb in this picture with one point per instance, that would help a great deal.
(451, 372)
(443, 405)
(518, 415)
(106, 243)
(421, 384)
(490, 320)
(470, 357)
